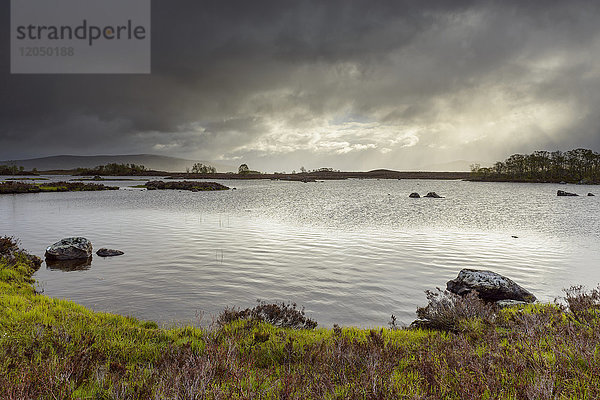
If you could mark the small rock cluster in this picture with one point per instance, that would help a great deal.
(563, 193)
(74, 252)
(433, 195)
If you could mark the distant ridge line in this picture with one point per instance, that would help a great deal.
(150, 161)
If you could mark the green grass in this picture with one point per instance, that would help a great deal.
(52, 348)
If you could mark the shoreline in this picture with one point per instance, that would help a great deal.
(329, 175)
(304, 177)
(557, 182)
(58, 349)
(321, 175)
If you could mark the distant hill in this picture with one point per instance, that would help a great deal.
(454, 166)
(150, 161)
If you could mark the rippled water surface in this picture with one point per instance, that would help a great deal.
(352, 252)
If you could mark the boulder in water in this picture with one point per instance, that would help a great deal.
(109, 252)
(433, 195)
(414, 195)
(73, 248)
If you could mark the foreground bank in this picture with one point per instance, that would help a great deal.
(53, 348)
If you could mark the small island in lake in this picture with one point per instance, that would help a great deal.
(22, 187)
(185, 185)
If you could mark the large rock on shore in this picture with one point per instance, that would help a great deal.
(489, 285)
(73, 248)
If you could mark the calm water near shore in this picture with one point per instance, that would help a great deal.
(353, 252)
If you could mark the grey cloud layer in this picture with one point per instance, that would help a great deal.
(346, 83)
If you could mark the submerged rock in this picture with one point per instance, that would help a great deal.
(489, 285)
(414, 195)
(433, 195)
(109, 252)
(70, 249)
(591, 194)
(563, 193)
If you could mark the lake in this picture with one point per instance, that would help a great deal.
(352, 252)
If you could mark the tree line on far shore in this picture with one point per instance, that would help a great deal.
(573, 166)
(199, 168)
(11, 170)
(112, 169)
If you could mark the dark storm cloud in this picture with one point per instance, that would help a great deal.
(357, 83)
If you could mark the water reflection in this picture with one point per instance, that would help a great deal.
(81, 264)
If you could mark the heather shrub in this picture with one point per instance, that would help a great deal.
(449, 312)
(281, 315)
(583, 305)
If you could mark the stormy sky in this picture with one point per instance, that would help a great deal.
(353, 85)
